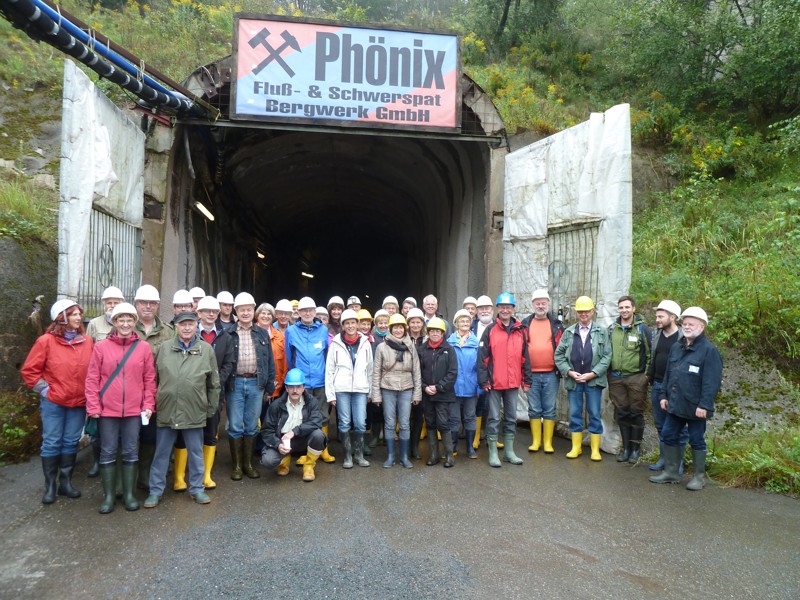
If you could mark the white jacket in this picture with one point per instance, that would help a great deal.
(341, 375)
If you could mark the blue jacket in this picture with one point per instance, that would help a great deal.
(467, 355)
(307, 350)
(693, 377)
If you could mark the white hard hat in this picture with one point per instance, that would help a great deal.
(60, 307)
(197, 292)
(697, 313)
(321, 310)
(415, 313)
(469, 300)
(182, 297)
(539, 294)
(112, 292)
(336, 300)
(284, 305)
(381, 313)
(461, 313)
(353, 300)
(411, 300)
(208, 303)
(124, 308)
(670, 306)
(244, 299)
(349, 314)
(306, 302)
(484, 301)
(390, 300)
(147, 293)
(225, 298)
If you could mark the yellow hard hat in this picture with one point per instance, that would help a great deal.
(437, 323)
(584, 303)
(363, 315)
(397, 319)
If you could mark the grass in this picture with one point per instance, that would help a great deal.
(27, 211)
(20, 428)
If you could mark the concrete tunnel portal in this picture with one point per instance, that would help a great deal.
(369, 213)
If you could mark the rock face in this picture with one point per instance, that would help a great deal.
(27, 271)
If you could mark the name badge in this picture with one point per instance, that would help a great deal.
(633, 339)
(318, 345)
(694, 369)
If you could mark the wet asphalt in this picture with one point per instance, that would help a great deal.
(552, 527)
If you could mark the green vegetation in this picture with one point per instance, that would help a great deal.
(714, 89)
(20, 434)
(27, 211)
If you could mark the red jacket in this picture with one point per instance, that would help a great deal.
(503, 362)
(60, 365)
(133, 389)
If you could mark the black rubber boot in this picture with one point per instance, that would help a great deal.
(403, 444)
(108, 476)
(236, 457)
(433, 445)
(50, 468)
(358, 451)
(247, 457)
(94, 470)
(672, 458)
(698, 480)
(625, 454)
(129, 470)
(65, 467)
(635, 444)
(447, 440)
(416, 433)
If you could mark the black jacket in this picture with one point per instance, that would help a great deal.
(223, 350)
(556, 329)
(277, 414)
(264, 360)
(439, 367)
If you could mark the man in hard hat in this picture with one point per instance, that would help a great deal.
(544, 333)
(293, 426)
(99, 327)
(484, 315)
(152, 330)
(691, 383)
(627, 376)
(470, 304)
(196, 293)
(181, 302)
(251, 384)
(430, 308)
(226, 319)
(666, 334)
(354, 303)
(283, 315)
(188, 395)
(307, 350)
(391, 305)
(504, 367)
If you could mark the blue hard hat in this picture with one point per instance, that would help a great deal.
(295, 377)
(506, 298)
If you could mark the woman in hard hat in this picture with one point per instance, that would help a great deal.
(379, 332)
(56, 369)
(418, 334)
(391, 305)
(396, 385)
(583, 356)
(335, 309)
(438, 370)
(348, 372)
(465, 344)
(120, 393)
(408, 304)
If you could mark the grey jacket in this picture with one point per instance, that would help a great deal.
(390, 374)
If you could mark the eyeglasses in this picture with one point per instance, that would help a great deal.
(147, 302)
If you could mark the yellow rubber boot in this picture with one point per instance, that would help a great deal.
(547, 441)
(325, 456)
(283, 467)
(500, 444)
(308, 465)
(476, 442)
(181, 457)
(594, 443)
(536, 433)
(424, 433)
(577, 441)
(209, 452)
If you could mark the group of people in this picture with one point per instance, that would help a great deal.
(155, 389)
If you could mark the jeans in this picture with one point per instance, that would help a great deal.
(482, 406)
(244, 406)
(165, 440)
(463, 409)
(674, 428)
(352, 410)
(62, 427)
(397, 409)
(271, 458)
(119, 432)
(592, 395)
(542, 396)
(437, 415)
(509, 402)
(659, 413)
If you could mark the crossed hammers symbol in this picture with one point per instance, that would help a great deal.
(289, 41)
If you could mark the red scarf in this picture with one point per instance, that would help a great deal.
(436, 345)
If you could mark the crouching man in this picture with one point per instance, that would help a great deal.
(293, 426)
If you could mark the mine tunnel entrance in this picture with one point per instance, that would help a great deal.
(364, 213)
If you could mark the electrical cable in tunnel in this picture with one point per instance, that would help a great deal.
(33, 17)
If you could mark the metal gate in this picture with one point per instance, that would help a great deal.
(572, 270)
(113, 257)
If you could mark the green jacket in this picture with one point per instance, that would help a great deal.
(630, 347)
(159, 334)
(188, 384)
(601, 355)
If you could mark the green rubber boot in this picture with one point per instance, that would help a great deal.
(108, 477)
(491, 444)
(508, 450)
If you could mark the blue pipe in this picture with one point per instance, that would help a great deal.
(102, 50)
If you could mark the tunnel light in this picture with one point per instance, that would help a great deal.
(304, 274)
(260, 254)
(204, 211)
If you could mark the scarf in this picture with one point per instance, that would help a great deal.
(398, 345)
